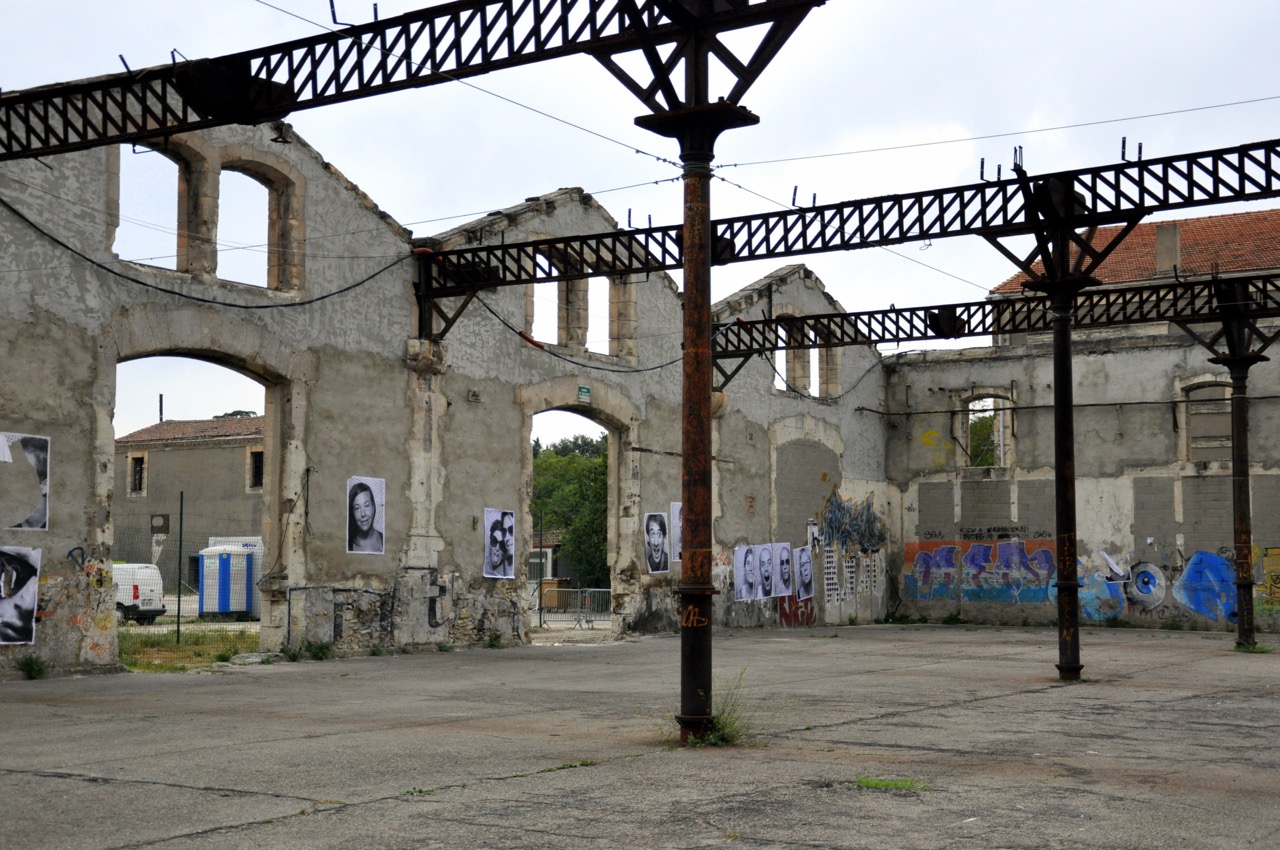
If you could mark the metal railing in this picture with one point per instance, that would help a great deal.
(581, 607)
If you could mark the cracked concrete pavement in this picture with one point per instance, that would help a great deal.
(1167, 743)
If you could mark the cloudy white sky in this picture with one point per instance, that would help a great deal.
(869, 97)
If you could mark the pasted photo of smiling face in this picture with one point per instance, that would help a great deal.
(364, 495)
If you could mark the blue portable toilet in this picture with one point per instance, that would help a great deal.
(228, 580)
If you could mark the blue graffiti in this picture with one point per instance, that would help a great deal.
(1100, 599)
(1208, 587)
(1003, 572)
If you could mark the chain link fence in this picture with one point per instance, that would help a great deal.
(206, 606)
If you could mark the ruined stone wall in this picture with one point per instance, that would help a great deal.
(1154, 525)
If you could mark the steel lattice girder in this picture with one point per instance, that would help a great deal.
(1109, 194)
(1173, 302)
(460, 39)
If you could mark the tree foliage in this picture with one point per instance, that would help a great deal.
(982, 440)
(570, 494)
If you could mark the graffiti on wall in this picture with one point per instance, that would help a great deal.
(1021, 572)
(1014, 571)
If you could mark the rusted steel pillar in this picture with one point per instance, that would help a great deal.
(696, 590)
(1240, 502)
(1064, 455)
(696, 128)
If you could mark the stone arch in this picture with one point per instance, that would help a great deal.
(197, 202)
(610, 408)
(286, 220)
(208, 334)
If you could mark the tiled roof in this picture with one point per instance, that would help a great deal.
(186, 430)
(1241, 242)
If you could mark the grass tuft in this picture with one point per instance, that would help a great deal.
(1252, 648)
(905, 783)
(31, 665)
(495, 640)
(732, 720)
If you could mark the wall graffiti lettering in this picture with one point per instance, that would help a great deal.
(691, 619)
(1020, 572)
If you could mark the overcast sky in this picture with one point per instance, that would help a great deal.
(869, 97)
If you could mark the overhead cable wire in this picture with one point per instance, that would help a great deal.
(187, 296)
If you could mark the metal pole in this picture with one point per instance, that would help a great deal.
(182, 494)
(1064, 454)
(695, 588)
(1240, 501)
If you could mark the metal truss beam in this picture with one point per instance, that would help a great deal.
(1181, 303)
(447, 42)
(1116, 194)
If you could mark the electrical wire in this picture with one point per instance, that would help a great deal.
(1005, 135)
(187, 296)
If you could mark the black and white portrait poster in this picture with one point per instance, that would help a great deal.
(499, 543)
(19, 591)
(804, 572)
(24, 481)
(655, 543)
(746, 577)
(764, 565)
(366, 504)
(677, 530)
(783, 570)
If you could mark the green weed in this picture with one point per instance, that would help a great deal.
(319, 650)
(444, 646)
(732, 720)
(31, 665)
(905, 783)
(495, 640)
(1240, 647)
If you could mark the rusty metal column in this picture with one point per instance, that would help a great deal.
(696, 590)
(1064, 461)
(1240, 500)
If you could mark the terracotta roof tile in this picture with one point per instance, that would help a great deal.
(176, 430)
(1240, 242)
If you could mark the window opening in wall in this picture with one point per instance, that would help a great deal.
(815, 372)
(598, 327)
(569, 507)
(780, 358)
(986, 431)
(148, 208)
(1209, 423)
(243, 211)
(255, 469)
(137, 474)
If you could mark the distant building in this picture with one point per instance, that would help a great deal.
(215, 465)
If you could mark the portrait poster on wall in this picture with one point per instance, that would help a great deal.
(746, 578)
(764, 566)
(655, 543)
(19, 590)
(499, 543)
(677, 530)
(24, 481)
(784, 574)
(804, 572)
(366, 504)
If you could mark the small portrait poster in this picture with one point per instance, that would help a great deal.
(746, 578)
(366, 503)
(804, 572)
(499, 543)
(24, 481)
(677, 530)
(19, 591)
(765, 566)
(784, 572)
(655, 543)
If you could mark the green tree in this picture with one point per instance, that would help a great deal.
(982, 440)
(570, 494)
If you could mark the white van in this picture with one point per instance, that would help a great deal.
(139, 592)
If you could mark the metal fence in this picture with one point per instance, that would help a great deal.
(192, 631)
(577, 607)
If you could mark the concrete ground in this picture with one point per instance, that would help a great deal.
(1168, 743)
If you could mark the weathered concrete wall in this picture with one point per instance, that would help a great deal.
(980, 542)
(351, 391)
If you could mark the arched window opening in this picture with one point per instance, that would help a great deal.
(569, 504)
(193, 466)
(243, 238)
(1208, 422)
(147, 229)
(598, 333)
(988, 432)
